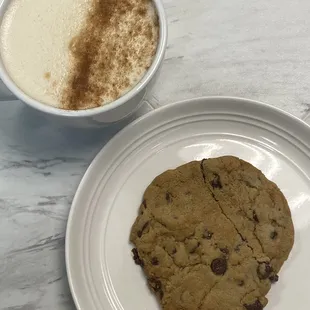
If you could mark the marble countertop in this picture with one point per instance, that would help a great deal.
(253, 49)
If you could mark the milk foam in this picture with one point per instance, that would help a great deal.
(35, 36)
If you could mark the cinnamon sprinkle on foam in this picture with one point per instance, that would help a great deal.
(111, 53)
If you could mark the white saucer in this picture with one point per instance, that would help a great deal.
(101, 271)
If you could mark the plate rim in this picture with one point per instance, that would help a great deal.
(133, 124)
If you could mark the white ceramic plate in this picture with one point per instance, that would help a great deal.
(101, 271)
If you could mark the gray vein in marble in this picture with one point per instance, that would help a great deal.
(51, 242)
(173, 59)
(28, 306)
(40, 164)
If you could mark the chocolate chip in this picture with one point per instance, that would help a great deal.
(207, 234)
(144, 203)
(155, 284)
(240, 282)
(154, 261)
(168, 197)
(273, 235)
(136, 257)
(140, 232)
(219, 266)
(274, 278)
(224, 250)
(216, 182)
(264, 270)
(174, 251)
(255, 218)
(257, 305)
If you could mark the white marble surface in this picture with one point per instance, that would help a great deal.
(254, 49)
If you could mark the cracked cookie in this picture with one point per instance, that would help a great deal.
(212, 235)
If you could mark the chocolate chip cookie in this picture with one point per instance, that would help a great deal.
(212, 235)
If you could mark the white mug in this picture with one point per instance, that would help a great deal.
(110, 113)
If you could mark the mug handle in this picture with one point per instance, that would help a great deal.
(5, 94)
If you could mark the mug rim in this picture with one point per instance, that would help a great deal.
(157, 60)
